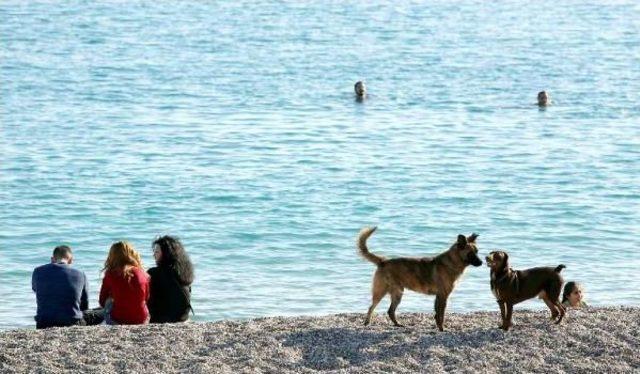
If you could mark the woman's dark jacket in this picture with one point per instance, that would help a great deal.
(170, 299)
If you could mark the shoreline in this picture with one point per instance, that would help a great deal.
(593, 339)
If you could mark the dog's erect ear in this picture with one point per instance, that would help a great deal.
(462, 241)
(473, 237)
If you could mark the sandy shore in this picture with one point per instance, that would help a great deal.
(595, 340)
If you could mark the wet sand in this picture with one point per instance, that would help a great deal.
(591, 340)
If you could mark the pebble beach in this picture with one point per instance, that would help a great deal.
(590, 340)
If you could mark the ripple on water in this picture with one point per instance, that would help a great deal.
(234, 127)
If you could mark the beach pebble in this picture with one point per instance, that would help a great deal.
(591, 340)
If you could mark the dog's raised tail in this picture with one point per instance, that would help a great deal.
(559, 268)
(362, 246)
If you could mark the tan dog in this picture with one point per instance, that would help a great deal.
(431, 276)
(513, 286)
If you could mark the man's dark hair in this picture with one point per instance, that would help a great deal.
(61, 252)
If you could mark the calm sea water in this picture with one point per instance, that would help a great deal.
(233, 126)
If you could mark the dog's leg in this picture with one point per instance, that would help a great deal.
(562, 311)
(396, 297)
(376, 296)
(554, 294)
(378, 290)
(440, 306)
(552, 307)
(502, 312)
(507, 322)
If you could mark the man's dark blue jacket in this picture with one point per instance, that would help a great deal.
(61, 294)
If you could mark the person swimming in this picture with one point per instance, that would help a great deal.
(360, 90)
(543, 98)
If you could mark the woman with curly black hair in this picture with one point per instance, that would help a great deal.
(171, 279)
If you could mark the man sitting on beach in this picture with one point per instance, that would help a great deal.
(61, 293)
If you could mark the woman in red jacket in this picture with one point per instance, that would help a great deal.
(127, 285)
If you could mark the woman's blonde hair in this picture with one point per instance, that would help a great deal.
(122, 258)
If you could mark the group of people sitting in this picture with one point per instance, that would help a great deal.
(128, 295)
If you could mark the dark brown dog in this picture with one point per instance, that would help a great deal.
(513, 286)
(431, 276)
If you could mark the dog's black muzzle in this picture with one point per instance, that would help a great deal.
(473, 259)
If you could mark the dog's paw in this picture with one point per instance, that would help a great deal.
(504, 327)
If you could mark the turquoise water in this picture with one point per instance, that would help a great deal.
(233, 126)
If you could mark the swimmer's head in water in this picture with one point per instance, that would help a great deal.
(360, 89)
(543, 98)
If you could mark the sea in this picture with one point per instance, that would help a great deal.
(233, 126)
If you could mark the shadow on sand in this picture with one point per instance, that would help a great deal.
(340, 347)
